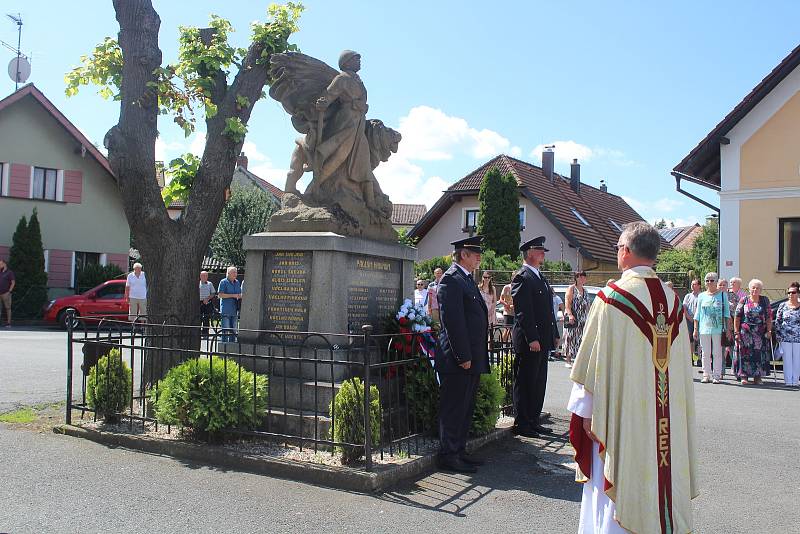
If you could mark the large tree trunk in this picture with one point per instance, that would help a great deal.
(172, 251)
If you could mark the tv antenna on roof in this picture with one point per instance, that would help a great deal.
(19, 69)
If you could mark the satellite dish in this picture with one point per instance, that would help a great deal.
(19, 69)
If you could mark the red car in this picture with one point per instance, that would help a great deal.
(104, 301)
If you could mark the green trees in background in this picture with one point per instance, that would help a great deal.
(26, 259)
(498, 218)
(246, 212)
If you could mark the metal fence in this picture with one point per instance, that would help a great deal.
(304, 372)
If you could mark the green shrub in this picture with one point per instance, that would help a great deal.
(422, 392)
(108, 389)
(487, 403)
(206, 399)
(424, 269)
(347, 408)
(93, 275)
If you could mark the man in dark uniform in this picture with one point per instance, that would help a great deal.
(462, 356)
(534, 335)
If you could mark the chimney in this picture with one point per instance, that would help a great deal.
(548, 161)
(575, 176)
(603, 186)
(241, 161)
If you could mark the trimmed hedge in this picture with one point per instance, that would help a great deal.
(347, 409)
(108, 387)
(422, 391)
(205, 397)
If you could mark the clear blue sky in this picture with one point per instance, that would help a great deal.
(628, 87)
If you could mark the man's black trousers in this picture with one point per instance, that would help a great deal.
(530, 382)
(456, 403)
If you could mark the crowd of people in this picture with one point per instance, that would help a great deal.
(731, 327)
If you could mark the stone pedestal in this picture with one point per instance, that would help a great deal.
(322, 282)
(316, 282)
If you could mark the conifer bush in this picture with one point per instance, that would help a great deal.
(347, 409)
(108, 387)
(26, 259)
(487, 403)
(208, 397)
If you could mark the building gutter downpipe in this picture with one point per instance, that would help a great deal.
(678, 176)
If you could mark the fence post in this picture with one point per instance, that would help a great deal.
(367, 329)
(68, 415)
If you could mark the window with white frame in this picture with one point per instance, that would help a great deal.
(522, 218)
(789, 244)
(3, 179)
(615, 224)
(470, 220)
(44, 183)
(580, 217)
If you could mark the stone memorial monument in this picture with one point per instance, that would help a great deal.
(329, 260)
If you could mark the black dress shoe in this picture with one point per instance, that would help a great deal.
(539, 429)
(526, 433)
(544, 415)
(455, 465)
(471, 460)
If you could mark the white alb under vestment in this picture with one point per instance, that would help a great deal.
(633, 378)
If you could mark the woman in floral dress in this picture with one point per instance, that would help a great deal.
(787, 324)
(753, 327)
(576, 309)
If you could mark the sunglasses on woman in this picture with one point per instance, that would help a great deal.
(791, 292)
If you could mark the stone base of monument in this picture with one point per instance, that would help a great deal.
(307, 297)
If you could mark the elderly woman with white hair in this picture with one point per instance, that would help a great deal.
(753, 327)
(712, 321)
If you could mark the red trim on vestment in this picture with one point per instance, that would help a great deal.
(582, 444)
(636, 302)
(641, 323)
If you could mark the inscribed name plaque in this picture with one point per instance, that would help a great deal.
(373, 291)
(287, 277)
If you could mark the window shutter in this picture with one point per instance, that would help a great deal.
(73, 186)
(19, 180)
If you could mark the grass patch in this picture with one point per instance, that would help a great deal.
(21, 416)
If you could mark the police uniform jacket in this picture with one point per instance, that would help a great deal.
(464, 325)
(533, 306)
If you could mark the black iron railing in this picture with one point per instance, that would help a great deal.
(304, 372)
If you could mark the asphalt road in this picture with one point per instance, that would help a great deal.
(748, 449)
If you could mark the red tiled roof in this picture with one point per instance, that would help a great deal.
(407, 214)
(702, 164)
(555, 200)
(31, 90)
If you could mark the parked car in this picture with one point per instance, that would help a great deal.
(104, 301)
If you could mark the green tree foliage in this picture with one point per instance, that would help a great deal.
(403, 239)
(705, 249)
(660, 224)
(498, 218)
(181, 172)
(347, 408)
(246, 212)
(424, 269)
(675, 261)
(108, 387)
(208, 397)
(189, 83)
(699, 260)
(93, 275)
(26, 259)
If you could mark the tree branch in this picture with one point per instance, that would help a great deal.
(220, 81)
(131, 143)
(219, 155)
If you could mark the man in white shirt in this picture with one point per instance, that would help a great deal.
(136, 293)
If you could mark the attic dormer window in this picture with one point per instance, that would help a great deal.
(580, 217)
(615, 225)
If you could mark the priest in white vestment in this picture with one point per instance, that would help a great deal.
(633, 402)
